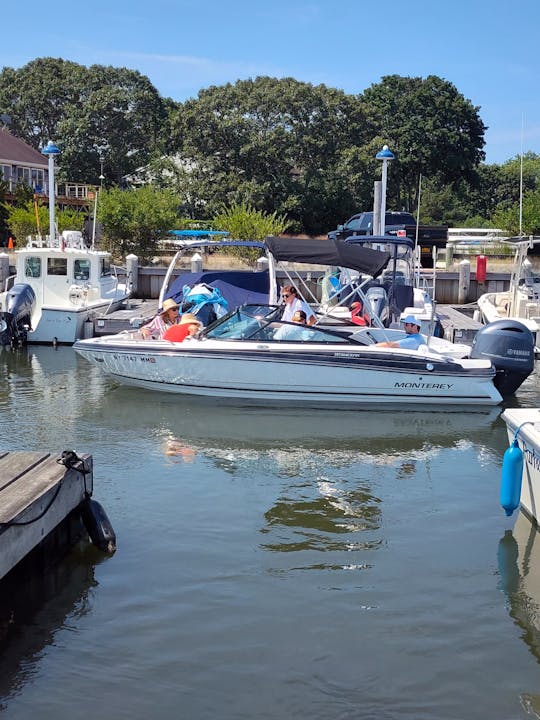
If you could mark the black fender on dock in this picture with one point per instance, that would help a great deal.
(98, 525)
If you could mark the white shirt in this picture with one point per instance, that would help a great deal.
(291, 308)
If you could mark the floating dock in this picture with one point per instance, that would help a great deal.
(134, 315)
(44, 501)
(458, 323)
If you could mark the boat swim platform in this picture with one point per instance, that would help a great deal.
(44, 505)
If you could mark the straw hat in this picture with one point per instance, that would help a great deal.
(169, 304)
(189, 319)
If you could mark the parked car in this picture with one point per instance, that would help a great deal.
(397, 223)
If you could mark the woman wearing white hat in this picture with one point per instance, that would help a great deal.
(412, 340)
(166, 318)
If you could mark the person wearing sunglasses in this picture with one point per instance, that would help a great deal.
(412, 339)
(292, 303)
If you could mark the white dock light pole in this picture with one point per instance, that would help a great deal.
(51, 150)
(385, 155)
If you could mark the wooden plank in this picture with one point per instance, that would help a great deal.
(14, 465)
(36, 502)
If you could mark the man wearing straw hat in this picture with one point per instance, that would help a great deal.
(165, 319)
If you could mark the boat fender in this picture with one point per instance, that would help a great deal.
(512, 470)
(98, 525)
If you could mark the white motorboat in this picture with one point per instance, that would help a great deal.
(523, 425)
(402, 288)
(250, 354)
(521, 301)
(57, 287)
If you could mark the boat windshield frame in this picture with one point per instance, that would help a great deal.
(262, 323)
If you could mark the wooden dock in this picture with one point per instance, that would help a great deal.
(458, 323)
(134, 315)
(40, 497)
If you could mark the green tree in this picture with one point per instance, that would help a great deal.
(135, 220)
(277, 144)
(22, 220)
(432, 129)
(96, 113)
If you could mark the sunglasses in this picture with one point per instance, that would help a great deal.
(285, 295)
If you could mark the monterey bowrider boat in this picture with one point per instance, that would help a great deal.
(57, 287)
(251, 355)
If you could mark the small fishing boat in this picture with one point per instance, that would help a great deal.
(522, 299)
(57, 287)
(521, 466)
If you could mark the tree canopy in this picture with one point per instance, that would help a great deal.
(93, 114)
(281, 147)
(430, 127)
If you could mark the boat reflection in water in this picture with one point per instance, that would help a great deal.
(519, 572)
(330, 462)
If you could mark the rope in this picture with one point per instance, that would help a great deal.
(527, 422)
(70, 460)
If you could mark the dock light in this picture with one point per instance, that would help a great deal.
(51, 150)
(385, 155)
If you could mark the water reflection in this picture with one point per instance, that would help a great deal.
(35, 606)
(519, 571)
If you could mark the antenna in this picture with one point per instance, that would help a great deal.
(521, 183)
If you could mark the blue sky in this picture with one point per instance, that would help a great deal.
(489, 50)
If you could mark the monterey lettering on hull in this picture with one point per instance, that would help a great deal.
(424, 386)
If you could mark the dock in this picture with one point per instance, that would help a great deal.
(458, 323)
(44, 504)
(136, 313)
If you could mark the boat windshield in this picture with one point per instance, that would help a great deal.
(262, 323)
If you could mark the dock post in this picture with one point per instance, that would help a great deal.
(196, 263)
(449, 260)
(464, 281)
(4, 270)
(132, 266)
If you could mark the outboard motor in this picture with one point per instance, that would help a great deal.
(510, 347)
(15, 320)
(378, 304)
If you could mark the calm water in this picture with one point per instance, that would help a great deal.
(273, 564)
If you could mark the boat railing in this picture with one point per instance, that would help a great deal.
(9, 282)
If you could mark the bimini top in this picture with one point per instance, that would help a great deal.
(329, 252)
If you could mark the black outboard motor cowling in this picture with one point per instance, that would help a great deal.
(510, 347)
(15, 320)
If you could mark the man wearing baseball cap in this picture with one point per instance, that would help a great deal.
(413, 339)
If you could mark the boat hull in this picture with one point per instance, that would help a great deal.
(529, 441)
(320, 375)
(65, 326)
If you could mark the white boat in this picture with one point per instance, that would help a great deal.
(522, 299)
(252, 355)
(57, 287)
(523, 424)
(402, 288)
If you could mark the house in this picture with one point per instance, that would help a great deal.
(20, 163)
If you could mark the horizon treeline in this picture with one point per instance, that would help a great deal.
(303, 151)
